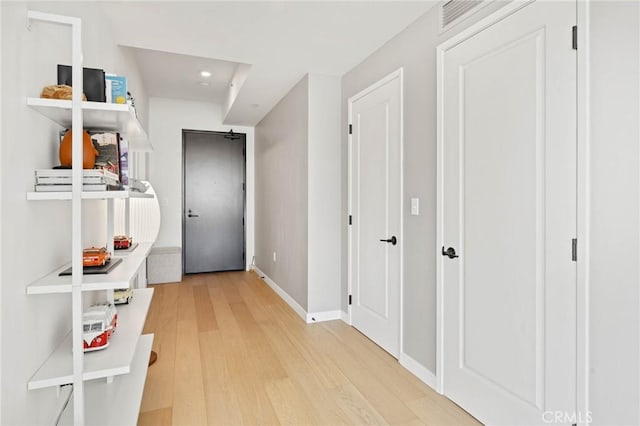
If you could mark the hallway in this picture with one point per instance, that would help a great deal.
(231, 352)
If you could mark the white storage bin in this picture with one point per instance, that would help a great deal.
(164, 265)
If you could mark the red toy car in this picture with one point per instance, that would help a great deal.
(121, 242)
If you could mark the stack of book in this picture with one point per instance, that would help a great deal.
(59, 180)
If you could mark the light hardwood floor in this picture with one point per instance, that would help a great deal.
(231, 352)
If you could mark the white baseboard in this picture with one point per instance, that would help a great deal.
(323, 316)
(344, 316)
(283, 294)
(420, 371)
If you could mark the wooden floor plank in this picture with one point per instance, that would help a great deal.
(253, 301)
(438, 410)
(204, 310)
(335, 405)
(221, 401)
(291, 407)
(186, 308)
(232, 294)
(160, 417)
(406, 386)
(232, 352)
(159, 384)
(189, 407)
(264, 362)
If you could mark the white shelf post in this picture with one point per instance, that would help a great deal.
(110, 225)
(127, 217)
(110, 246)
(76, 218)
(76, 204)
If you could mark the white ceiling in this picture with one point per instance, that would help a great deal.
(171, 75)
(281, 41)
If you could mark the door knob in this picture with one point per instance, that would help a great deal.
(450, 252)
(192, 215)
(393, 240)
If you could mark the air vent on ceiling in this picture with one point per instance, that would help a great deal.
(455, 9)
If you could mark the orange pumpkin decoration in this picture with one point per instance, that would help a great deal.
(88, 155)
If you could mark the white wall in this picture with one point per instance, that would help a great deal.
(168, 117)
(1, 209)
(36, 235)
(324, 194)
(413, 50)
(615, 212)
(298, 195)
(281, 193)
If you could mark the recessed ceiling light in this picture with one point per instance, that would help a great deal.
(203, 83)
(205, 74)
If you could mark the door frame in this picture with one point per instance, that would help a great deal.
(582, 192)
(399, 73)
(183, 187)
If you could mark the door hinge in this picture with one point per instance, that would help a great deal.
(574, 37)
(574, 249)
(244, 152)
(243, 186)
(243, 221)
(350, 219)
(243, 254)
(349, 299)
(350, 129)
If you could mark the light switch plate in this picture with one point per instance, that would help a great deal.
(415, 206)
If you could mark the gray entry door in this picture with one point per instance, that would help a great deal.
(214, 201)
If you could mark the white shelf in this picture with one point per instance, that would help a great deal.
(116, 403)
(90, 195)
(141, 250)
(111, 361)
(118, 277)
(97, 116)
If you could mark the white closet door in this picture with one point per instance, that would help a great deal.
(509, 212)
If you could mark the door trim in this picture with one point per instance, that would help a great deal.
(582, 193)
(399, 73)
(583, 213)
(244, 201)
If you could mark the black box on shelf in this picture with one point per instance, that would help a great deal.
(93, 81)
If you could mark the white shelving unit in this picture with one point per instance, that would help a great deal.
(109, 362)
(107, 384)
(119, 402)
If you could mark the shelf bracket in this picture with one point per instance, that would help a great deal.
(33, 15)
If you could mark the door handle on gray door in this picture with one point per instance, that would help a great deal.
(450, 252)
(192, 215)
(393, 240)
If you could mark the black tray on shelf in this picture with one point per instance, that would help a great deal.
(95, 270)
(127, 250)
